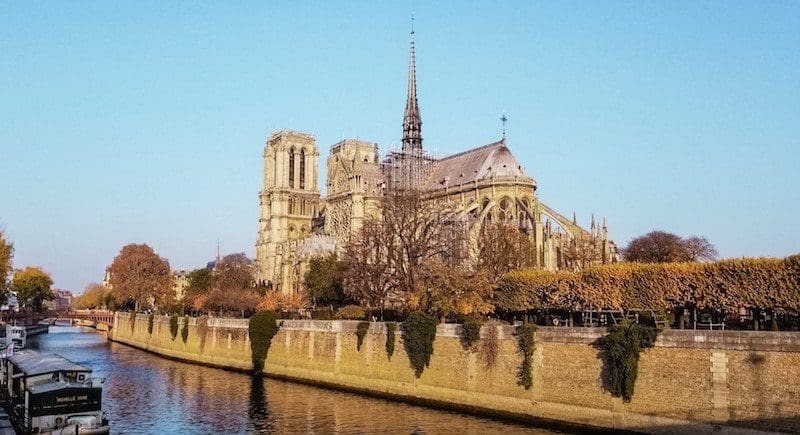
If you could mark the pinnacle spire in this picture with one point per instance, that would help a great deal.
(412, 123)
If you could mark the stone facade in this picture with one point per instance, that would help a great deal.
(483, 184)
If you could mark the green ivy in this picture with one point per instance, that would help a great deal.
(262, 327)
(623, 345)
(173, 326)
(150, 321)
(419, 331)
(185, 329)
(390, 329)
(526, 340)
(133, 321)
(361, 332)
(471, 331)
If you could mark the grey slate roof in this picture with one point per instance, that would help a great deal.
(35, 363)
(492, 160)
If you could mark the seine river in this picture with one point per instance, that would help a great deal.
(144, 393)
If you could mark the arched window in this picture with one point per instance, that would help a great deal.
(291, 167)
(303, 168)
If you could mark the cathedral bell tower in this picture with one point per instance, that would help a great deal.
(287, 204)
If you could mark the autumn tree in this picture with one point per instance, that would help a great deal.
(32, 285)
(138, 274)
(199, 283)
(367, 274)
(664, 247)
(323, 280)
(6, 254)
(94, 296)
(449, 290)
(502, 247)
(233, 286)
(583, 251)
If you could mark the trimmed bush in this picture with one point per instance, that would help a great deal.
(419, 331)
(623, 345)
(351, 312)
(185, 329)
(173, 326)
(526, 340)
(262, 327)
(471, 331)
(727, 285)
(390, 329)
(150, 322)
(361, 332)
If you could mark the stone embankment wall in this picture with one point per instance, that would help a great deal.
(691, 381)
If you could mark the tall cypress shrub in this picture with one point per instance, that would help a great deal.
(262, 327)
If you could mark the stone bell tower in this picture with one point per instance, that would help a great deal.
(288, 203)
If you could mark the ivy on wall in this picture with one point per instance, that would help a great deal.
(526, 341)
(361, 332)
(185, 329)
(623, 345)
(173, 326)
(150, 321)
(471, 331)
(262, 327)
(132, 321)
(390, 330)
(419, 331)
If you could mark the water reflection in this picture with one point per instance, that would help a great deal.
(144, 393)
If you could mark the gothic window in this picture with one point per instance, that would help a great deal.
(303, 168)
(291, 167)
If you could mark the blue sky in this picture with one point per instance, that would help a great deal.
(145, 121)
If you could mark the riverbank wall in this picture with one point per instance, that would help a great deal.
(690, 381)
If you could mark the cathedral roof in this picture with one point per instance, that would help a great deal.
(494, 160)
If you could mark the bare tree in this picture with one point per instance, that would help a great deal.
(502, 247)
(233, 286)
(583, 250)
(388, 257)
(699, 249)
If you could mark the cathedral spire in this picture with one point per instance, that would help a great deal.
(412, 123)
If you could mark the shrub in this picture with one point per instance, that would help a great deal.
(727, 285)
(202, 330)
(390, 329)
(490, 346)
(173, 326)
(262, 327)
(361, 332)
(471, 331)
(150, 321)
(185, 329)
(419, 331)
(132, 321)
(351, 312)
(623, 344)
(526, 341)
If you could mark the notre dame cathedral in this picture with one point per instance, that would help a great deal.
(483, 184)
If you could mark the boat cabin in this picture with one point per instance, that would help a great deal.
(17, 335)
(47, 392)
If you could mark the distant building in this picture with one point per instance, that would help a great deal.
(12, 303)
(62, 300)
(179, 283)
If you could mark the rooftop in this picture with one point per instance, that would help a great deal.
(34, 363)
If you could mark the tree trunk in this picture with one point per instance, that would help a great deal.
(680, 317)
(756, 318)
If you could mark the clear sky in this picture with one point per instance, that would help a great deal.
(145, 121)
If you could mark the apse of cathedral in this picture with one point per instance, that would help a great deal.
(483, 184)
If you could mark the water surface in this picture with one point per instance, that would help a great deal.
(144, 393)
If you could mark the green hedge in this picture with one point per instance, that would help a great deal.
(261, 327)
(419, 331)
(725, 285)
(173, 326)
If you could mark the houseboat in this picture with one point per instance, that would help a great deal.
(46, 393)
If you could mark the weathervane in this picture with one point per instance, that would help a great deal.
(503, 119)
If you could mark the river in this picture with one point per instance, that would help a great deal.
(144, 393)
